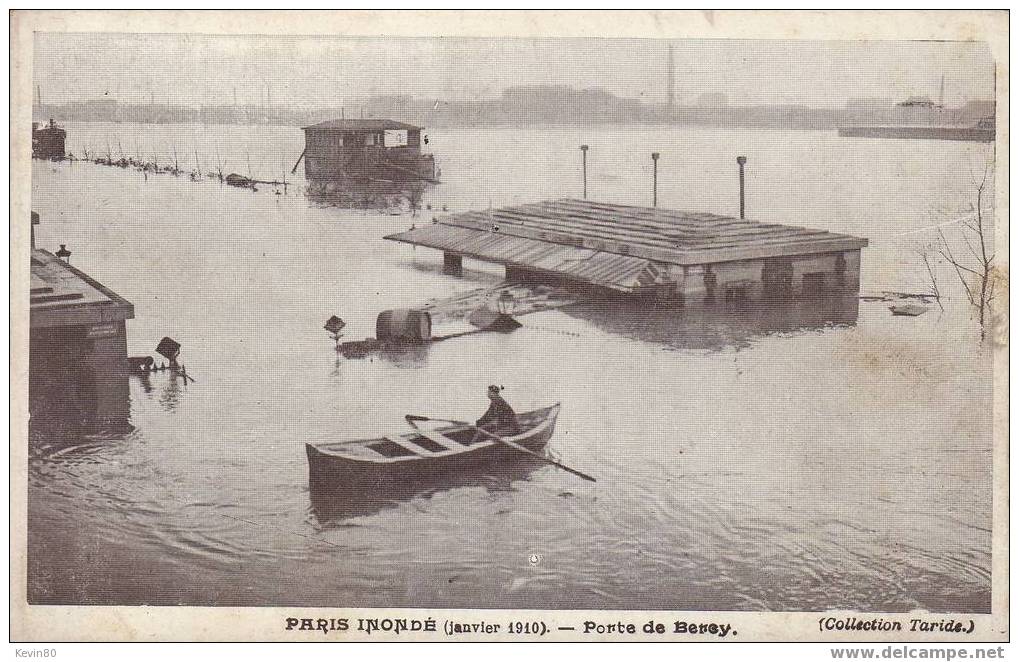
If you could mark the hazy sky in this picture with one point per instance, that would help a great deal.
(200, 69)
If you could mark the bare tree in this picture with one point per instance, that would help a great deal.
(975, 270)
(928, 253)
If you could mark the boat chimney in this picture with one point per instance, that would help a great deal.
(583, 153)
(64, 254)
(654, 179)
(742, 161)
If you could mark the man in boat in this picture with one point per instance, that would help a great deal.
(500, 418)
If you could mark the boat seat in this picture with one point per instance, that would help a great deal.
(440, 439)
(445, 442)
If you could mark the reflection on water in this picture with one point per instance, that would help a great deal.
(382, 197)
(715, 326)
(332, 503)
(172, 390)
(406, 355)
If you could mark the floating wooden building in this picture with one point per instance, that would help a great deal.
(48, 141)
(78, 345)
(647, 251)
(366, 150)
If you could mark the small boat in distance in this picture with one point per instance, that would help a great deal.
(240, 181)
(908, 309)
(371, 465)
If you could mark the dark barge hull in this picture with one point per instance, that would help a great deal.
(972, 134)
(48, 143)
(408, 171)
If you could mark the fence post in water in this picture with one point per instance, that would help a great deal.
(742, 161)
(583, 152)
(654, 176)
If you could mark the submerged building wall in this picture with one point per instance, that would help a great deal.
(795, 275)
(78, 373)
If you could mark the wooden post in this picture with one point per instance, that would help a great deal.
(654, 184)
(452, 264)
(742, 161)
(583, 152)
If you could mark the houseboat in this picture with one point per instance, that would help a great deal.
(48, 141)
(366, 150)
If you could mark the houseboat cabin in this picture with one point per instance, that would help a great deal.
(366, 150)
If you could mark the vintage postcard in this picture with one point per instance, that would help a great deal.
(510, 326)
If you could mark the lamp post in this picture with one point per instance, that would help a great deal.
(654, 176)
(742, 161)
(583, 157)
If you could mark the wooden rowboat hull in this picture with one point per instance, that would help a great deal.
(342, 475)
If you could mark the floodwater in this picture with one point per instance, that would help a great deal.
(800, 458)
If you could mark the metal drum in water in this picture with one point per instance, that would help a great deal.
(403, 324)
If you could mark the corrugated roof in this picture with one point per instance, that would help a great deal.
(620, 272)
(362, 125)
(663, 235)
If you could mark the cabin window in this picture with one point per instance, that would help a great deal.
(397, 138)
(371, 139)
(337, 140)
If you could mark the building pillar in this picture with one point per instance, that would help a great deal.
(452, 264)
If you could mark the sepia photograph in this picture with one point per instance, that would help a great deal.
(351, 324)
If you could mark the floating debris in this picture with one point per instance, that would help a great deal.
(908, 309)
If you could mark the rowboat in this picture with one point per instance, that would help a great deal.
(425, 456)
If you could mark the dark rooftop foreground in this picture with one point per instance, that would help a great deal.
(62, 295)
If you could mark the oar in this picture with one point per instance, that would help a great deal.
(515, 446)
